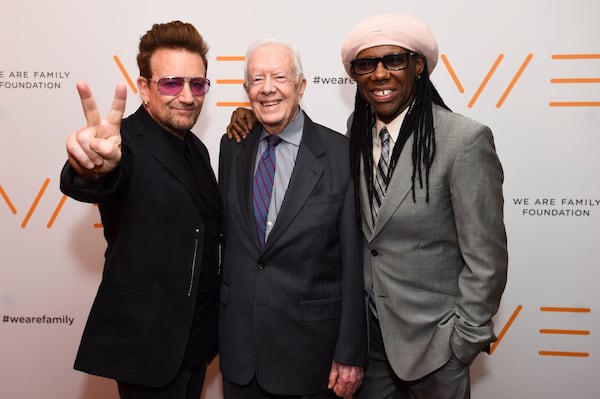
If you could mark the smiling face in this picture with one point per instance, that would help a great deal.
(273, 86)
(176, 113)
(389, 92)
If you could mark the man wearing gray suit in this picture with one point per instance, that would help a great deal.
(430, 189)
(292, 318)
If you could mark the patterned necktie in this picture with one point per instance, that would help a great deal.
(263, 185)
(381, 182)
(381, 175)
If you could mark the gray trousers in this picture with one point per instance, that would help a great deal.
(450, 381)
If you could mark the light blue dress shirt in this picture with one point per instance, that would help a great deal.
(285, 154)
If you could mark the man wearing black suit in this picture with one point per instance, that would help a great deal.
(152, 326)
(292, 317)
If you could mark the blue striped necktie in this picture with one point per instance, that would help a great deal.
(263, 185)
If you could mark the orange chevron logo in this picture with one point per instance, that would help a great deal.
(34, 205)
(487, 78)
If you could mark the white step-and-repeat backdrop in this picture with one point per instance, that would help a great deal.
(529, 69)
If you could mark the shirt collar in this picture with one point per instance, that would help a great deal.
(393, 127)
(293, 132)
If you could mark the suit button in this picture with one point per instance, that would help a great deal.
(374, 252)
(260, 266)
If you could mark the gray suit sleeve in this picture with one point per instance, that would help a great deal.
(477, 203)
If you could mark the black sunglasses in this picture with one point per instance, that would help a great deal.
(392, 62)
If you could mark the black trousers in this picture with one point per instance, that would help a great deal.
(187, 384)
(254, 391)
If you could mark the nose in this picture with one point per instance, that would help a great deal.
(267, 86)
(186, 96)
(380, 72)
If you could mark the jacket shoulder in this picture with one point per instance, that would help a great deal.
(444, 119)
(454, 126)
(327, 135)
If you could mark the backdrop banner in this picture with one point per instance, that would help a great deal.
(528, 69)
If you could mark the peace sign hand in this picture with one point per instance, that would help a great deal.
(95, 149)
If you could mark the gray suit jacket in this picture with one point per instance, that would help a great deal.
(439, 268)
(291, 307)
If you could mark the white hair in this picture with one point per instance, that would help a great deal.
(265, 42)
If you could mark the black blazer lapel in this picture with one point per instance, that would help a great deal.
(157, 142)
(205, 175)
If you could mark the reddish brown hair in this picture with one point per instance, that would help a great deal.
(171, 35)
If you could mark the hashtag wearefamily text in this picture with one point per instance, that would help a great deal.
(332, 80)
(43, 319)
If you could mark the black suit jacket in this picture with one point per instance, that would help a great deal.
(156, 232)
(289, 309)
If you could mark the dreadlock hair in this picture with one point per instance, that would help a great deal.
(418, 122)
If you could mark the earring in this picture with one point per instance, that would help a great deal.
(146, 103)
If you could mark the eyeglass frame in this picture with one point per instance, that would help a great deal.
(185, 80)
(381, 60)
